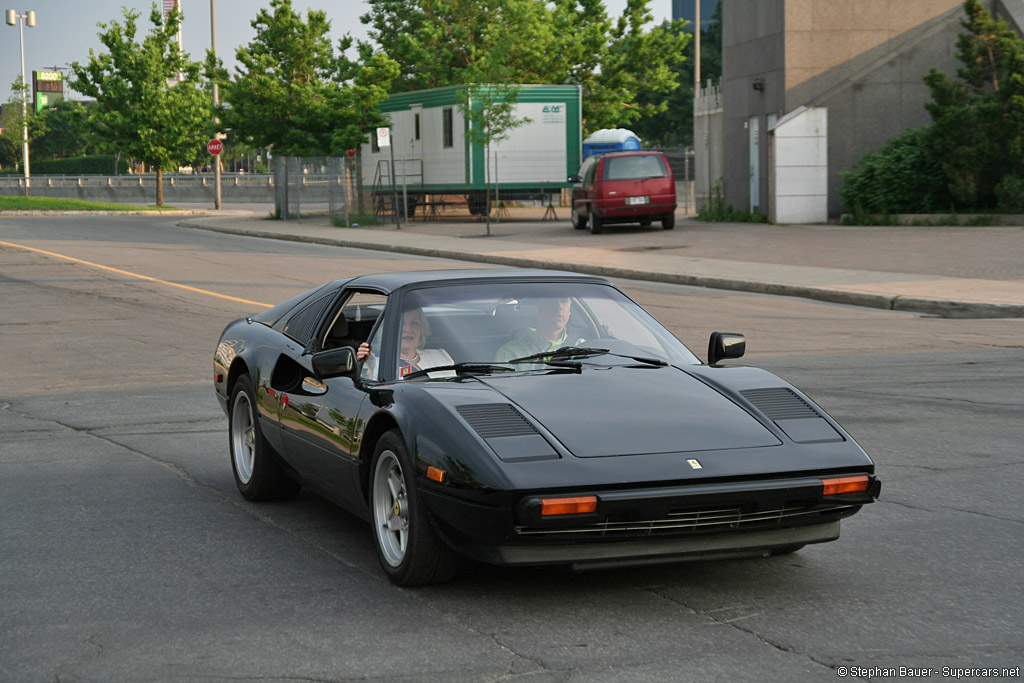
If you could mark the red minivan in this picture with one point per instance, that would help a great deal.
(624, 187)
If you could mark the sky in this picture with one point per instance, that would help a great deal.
(65, 30)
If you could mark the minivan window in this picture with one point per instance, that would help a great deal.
(633, 167)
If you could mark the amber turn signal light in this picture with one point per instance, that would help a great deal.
(573, 505)
(435, 474)
(845, 485)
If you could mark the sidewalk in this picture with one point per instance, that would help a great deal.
(960, 272)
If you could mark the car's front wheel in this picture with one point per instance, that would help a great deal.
(253, 461)
(596, 224)
(408, 547)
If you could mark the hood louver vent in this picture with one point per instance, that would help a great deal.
(493, 420)
(780, 404)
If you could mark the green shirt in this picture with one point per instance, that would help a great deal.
(528, 344)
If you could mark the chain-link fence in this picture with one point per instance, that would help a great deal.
(318, 186)
(308, 186)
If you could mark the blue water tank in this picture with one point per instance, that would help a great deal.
(610, 140)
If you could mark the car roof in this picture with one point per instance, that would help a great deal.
(632, 153)
(390, 282)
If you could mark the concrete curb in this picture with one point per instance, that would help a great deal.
(936, 307)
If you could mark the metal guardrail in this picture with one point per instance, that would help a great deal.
(238, 180)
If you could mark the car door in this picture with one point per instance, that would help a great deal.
(319, 418)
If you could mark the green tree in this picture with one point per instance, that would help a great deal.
(673, 126)
(64, 132)
(439, 43)
(13, 127)
(151, 99)
(292, 91)
(488, 104)
(977, 129)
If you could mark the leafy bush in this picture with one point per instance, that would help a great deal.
(1010, 192)
(901, 177)
(92, 165)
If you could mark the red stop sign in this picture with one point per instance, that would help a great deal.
(214, 147)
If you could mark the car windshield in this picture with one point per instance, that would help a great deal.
(505, 321)
(633, 167)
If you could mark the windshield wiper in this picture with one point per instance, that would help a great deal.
(584, 352)
(464, 368)
(564, 352)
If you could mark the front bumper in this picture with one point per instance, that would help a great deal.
(641, 526)
(598, 555)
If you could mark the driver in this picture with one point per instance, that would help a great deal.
(549, 334)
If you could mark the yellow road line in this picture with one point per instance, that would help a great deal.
(136, 275)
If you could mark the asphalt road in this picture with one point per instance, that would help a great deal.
(126, 553)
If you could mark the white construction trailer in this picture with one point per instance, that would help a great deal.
(431, 160)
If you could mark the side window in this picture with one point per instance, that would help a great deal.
(588, 175)
(447, 128)
(354, 319)
(302, 325)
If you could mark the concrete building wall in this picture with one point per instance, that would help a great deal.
(862, 60)
(753, 52)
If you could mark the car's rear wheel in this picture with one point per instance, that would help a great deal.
(579, 222)
(668, 221)
(409, 549)
(596, 224)
(258, 475)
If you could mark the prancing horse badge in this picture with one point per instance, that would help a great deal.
(694, 464)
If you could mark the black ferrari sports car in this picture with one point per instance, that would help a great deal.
(527, 418)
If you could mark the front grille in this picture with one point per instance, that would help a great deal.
(691, 521)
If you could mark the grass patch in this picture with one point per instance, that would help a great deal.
(359, 219)
(58, 204)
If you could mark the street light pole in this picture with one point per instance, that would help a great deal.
(216, 103)
(28, 17)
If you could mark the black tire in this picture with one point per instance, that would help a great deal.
(668, 221)
(258, 473)
(596, 224)
(579, 222)
(409, 549)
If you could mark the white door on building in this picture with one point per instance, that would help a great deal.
(754, 130)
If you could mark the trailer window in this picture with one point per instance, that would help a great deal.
(446, 124)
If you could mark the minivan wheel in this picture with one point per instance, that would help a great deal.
(596, 224)
(579, 222)
(668, 221)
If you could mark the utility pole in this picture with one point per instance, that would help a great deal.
(696, 61)
(216, 103)
(29, 18)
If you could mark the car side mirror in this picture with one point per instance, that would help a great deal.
(724, 345)
(335, 363)
(575, 179)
